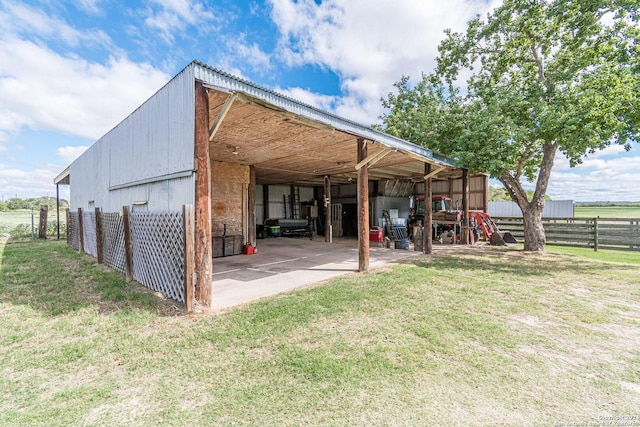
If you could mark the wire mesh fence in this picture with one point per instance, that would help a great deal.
(157, 246)
(89, 233)
(16, 224)
(25, 224)
(113, 241)
(158, 252)
(74, 234)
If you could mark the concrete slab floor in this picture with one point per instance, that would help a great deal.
(286, 263)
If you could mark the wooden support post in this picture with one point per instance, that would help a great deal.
(203, 253)
(427, 221)
(188, 221)
(99, 235)
(485, 193)
(252, 206)
(80, 232)
(42, 224)
(128, 247)
(466, 230)
(595, 233)
(363, 208)
(58, 209)
(327, 209)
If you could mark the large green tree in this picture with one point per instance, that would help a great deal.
(534, 79)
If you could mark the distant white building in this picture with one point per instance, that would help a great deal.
(552, 209)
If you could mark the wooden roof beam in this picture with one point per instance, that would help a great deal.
(373, 159)
(434, 172)
(225, 109)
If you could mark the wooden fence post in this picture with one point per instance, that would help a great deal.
(128, 248)
(58, 210)
(80, 232)
(99, 235)
(188, 221)
(42, 227)
(595, 233)
(68, 231)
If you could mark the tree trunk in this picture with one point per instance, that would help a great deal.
(534, 238)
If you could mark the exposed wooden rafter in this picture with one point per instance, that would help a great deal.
(373, 159)
(225, 109)
(434, 172)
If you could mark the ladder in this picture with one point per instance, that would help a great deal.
(394, 232)
(388, 227)
(296, 203)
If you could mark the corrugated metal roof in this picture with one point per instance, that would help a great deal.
(225, 81)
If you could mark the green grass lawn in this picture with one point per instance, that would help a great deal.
(485, 336)
(607, 211)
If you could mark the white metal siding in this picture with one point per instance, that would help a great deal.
(306, 194)
(276, 200)
(381, 203)
(151, 144)
(552, 209)
(90, 177)
(158, 138)
(259, 204)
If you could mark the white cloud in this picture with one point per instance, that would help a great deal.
(595, 161)
(250, 54)
(2, 148)
(613, 179)
(41, 89)
(89, 6)
(33, 183)
(69, 153)
(20, 19)
(370, 45)
(611, 150)
(175, 15)
(323, 102)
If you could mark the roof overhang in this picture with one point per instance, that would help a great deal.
(289, 142)
(64, 177)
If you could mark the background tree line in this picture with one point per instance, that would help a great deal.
(16, 203)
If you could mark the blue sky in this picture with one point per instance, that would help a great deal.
(70, 71)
